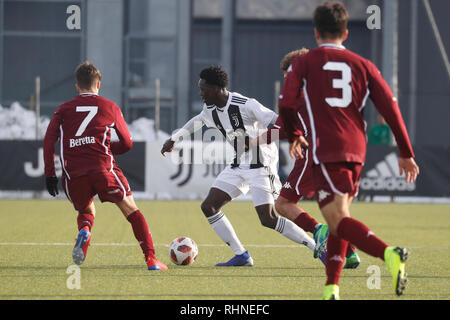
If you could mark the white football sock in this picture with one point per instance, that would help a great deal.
(293, 232)
(222, 226)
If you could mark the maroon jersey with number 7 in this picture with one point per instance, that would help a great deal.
(336, 84)
(83, 126)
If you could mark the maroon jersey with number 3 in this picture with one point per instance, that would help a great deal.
(83, 126)
(336, 84)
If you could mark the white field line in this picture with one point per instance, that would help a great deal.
(116, 244)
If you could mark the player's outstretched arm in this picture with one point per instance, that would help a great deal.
(409, 167)
(191, 126)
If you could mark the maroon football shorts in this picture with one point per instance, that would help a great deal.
(299, 182)
(111, 186)
(335, 178)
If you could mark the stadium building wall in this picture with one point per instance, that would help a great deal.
(135, 42)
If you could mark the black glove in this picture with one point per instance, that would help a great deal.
(52, 185)
(167, 147)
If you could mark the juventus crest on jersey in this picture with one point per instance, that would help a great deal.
(240, 120)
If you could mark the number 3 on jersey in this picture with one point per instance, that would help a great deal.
(92, 112)
(343, 83)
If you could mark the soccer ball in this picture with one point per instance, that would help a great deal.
(183, 251)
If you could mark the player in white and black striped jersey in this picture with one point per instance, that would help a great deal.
(254, 168)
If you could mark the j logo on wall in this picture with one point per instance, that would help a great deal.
(38, 170)
(185, 168)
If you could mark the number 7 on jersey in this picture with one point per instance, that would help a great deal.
(92, 112)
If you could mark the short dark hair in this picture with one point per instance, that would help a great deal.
(86, 75)
(330, 19)
(215, 75)
(287, 59)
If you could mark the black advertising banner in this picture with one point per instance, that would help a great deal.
(380, 175)
(22, 166)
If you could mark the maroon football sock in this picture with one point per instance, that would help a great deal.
(336, 248)
(85, 220)
(360, 235)
(306, 222)
(142, 233)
